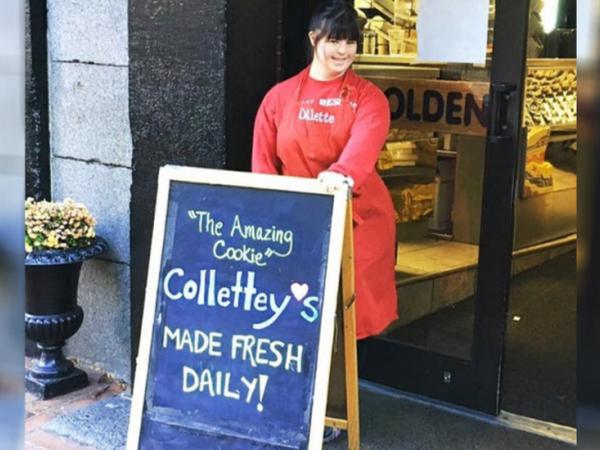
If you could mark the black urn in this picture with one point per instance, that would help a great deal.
(52, 316)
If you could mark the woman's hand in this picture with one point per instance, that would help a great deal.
(333, 179)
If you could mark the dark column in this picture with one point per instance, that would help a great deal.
(296, 17)
(252, 66)
(498, 203)
(37, 138)
(198, 70)
(295, 24)
(37, 145)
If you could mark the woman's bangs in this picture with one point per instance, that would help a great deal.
(340, 30)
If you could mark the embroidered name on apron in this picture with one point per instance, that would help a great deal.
(310, 115)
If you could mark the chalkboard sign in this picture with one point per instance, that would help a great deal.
(239, 313)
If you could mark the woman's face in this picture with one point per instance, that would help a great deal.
(334, 56)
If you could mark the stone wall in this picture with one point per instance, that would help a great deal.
(91, 162)
(134, 86)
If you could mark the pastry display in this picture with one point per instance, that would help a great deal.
(397, 154)
(538, 178)
(551, 96)
(538, 171)
(406, 148)
(413, 202)
(390, 26)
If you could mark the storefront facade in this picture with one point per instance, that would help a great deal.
(478, 210)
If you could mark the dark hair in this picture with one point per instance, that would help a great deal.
(335, 19)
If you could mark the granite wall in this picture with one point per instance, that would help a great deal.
(37, 164)
(134, 85)
(91, 161)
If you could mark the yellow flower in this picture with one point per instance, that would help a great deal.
(57, 224)
(52, 240)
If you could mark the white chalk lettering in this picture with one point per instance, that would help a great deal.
(264, 351)
(260, 302)
(195, 341)
(206, 224)
(277, 310)
(189, 374)
(203, 289)
(251, 385)
(179, 272)
(314, 312)
(216, 383)
(243, 253)
(258, 233)
(223, 296)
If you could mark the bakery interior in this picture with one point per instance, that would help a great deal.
(435, 178)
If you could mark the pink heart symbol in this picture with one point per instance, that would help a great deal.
(299, 291)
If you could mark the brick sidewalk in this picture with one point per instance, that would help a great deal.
(40, 412)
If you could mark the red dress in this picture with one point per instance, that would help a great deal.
(305, 126)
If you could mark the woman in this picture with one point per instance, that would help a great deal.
(328, 123)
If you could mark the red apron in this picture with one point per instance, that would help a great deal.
(306, 148)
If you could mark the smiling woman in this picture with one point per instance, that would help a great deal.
(328, 123)
(334, 44)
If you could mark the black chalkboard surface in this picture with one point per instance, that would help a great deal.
(239, 313)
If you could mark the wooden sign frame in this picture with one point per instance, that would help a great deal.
(444, 106)
(351, 421)
(337, 243)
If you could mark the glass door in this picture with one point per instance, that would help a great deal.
(539, 370)
(454, 192)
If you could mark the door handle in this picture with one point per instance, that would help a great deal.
(501, 95)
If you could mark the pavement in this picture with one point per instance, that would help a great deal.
(97, 417)
(53, 424)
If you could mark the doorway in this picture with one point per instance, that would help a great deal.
(455, 196)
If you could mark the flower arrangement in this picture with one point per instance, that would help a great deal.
(57, 225)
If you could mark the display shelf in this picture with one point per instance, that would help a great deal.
(396, 71)
(562, 137)
(383, 8)
(446, 153)
(406, 59)
(408, 171)
(563, 127)
(561, 132)
(554, 63)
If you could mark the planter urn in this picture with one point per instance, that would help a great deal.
(52, 315)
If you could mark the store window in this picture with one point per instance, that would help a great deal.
(433, 162)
